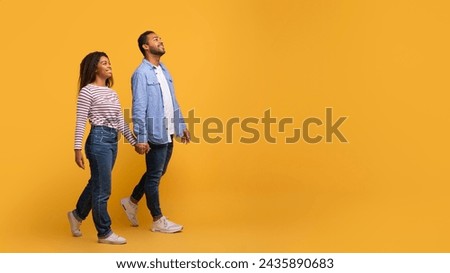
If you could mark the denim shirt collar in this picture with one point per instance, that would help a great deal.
(152, 65)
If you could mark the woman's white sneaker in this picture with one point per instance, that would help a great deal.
(113, 239)
(166, 226)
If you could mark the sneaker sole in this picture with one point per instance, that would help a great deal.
(166, 231)
(101, 241)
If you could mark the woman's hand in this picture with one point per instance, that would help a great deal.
(79, 159)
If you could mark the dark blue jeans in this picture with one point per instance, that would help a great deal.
(101, 151)
(157, 160)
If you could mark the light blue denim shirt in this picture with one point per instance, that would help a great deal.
(148, 108)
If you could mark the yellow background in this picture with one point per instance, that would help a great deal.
(383, 64)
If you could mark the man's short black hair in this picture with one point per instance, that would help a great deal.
(142, 40)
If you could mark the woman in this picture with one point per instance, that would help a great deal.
(100, 104)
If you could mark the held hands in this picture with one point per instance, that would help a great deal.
(79, 159)
(142, 148)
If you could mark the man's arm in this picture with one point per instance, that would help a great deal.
(139, 107)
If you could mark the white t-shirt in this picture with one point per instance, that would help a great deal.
(167, 101)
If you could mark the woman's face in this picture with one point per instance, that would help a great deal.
(104, 70)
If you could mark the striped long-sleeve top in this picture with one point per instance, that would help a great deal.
(100, 104)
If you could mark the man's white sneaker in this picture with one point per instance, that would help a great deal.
(166, 226)
(74, 224)
(113, 239)
(131, 210)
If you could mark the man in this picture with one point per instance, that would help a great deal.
(156, 119)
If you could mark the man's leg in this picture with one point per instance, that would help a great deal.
(129, 204)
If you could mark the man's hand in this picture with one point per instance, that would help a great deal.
(186, 138)
(142, 148)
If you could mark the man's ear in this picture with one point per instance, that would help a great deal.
(145, 46)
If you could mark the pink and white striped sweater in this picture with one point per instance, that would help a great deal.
(100, 104)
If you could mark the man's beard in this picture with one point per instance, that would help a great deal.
(157, 51)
